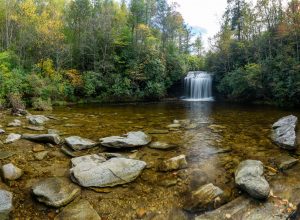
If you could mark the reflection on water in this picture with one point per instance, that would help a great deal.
(216, 138)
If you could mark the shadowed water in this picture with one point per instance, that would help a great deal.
(220, 137)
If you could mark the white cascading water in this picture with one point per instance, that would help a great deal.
(198, 86)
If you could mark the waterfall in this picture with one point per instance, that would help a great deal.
(198, 86)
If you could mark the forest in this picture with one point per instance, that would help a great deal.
(53, 51)
(57, 51)
(255, 56)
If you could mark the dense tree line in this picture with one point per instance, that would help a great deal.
(58, 50)
(256, 54)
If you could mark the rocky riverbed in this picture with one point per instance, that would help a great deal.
(146, 161)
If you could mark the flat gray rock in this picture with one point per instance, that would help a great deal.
(79, 143)
(2, 131)
(78, 210)
(284, 132)
(11, 172)
(44, 138)
(37, 119)
(203, 198)
(15, 123)
(243, 208)
(174, 163)
(129, 140)
(35, 128)
(12, 138)
(249, 177)
(95, 171)
(6, 205)
(162, 145)
(55, 191)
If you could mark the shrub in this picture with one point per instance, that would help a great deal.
(41, 104)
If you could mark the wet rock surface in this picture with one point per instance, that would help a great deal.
(12, 138)
(284, 133)
(249, 177)
(78, 210)
(96, 171)
(79, 143)
(162, 145)
(174, 163)
(6, 205)
(37, 119)
(205, 197)
(131, 139)
(11, 172)
(55, 191)
(15, 123)
(43, 138)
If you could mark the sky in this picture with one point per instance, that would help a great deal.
(202, 15)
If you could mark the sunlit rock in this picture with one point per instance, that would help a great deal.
(79, 143)
(174, 163)
(6, 204)
(37, 119)
(12, 138)
(11, 172)
(43, 138)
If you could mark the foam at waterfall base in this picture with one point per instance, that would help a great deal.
(209, 99)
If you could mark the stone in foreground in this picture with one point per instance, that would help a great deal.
(162, 145)
(174, 163)
(55, 191)
(79, 143)
(12, 138)
(131, 139)
(2, 131)
(249, 177)
(95, 171)
(44, 138)
(78, 210)
(284, 132)
(11, 172)
(6, 205)
(206, 197)
(37, 119)
(244, 208)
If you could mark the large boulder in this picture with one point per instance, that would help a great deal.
(129, 140)
(174, 163)
(37, 119)
(78, 210)
(249, 177)
(12, 138)
(284, 132)
(203, 198)
(79, 143)
(6, 205)
(96, 171)
(11, 172)
(44, 138)
(55, 191)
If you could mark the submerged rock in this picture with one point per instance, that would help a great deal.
(205, 197)
(96, 171)
(174, 163)
(12, 138)
(37, 119)
(248, 209)
(11, 172)
(15, 123)
(249, 177)
(284, 133)
(174, 126)
(53, 131)
(131, 139)
(2, 131)
(35, 128)
(286, 162)
(5, 154)
(44, 138)
(79, 143)
(157, 131)
(162, 145)
(78, 210)
(55, 191)
(6, 204)
(41, 155)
